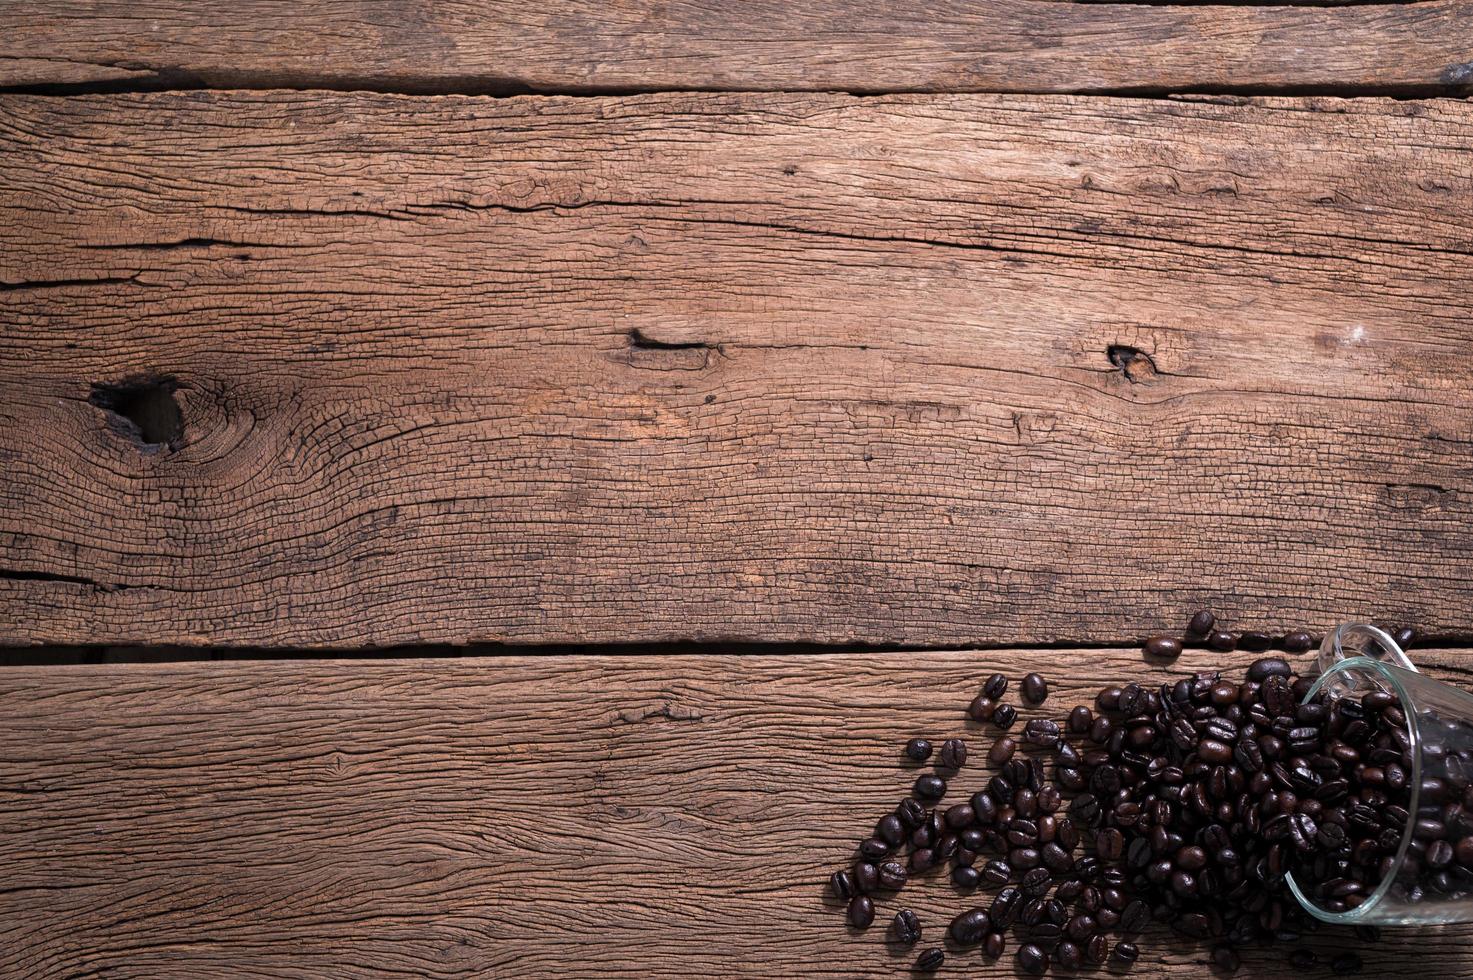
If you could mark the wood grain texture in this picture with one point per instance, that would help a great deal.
(906, 370)
(497, 46)
(568, 817)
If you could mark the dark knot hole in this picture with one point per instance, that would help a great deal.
(147, 410)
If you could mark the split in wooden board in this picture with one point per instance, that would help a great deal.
(909, 370)
(559, 816)
(499, 46)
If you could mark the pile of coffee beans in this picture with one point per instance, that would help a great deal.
(1188, 805)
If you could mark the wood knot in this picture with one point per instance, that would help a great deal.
(145, 411)
(1134, 363)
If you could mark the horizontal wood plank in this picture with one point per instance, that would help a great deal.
(906, 370)
(497, 46)
(570, 817)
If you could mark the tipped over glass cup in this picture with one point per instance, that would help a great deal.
(1420, 870)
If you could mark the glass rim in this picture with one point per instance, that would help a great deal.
(1363, 911)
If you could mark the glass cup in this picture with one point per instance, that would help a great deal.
(1429, 879)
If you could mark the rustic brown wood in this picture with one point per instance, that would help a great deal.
(497, 46)
(628, 817)
(915, 370)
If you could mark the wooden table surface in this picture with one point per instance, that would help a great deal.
(486, 491)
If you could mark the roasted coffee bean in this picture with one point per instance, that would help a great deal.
(1037, 882)
(1201, 623)
(1222, 641)
(892, 875)
(890, 830)
(1004, 716)
(1254, 640)
(1002, 750)
(1303, 960)
(993, 945)
(960, 816)
(1032, 960)
(918, 749)
(1097, 950)
(1213, 751)
(1262, 670)
(842, 885)
(930, 961)
(866, 878)
(1135, 916)
(907, 927)
(1298, 641)
(922, 859)
(873, 849)
(1166, 647)
(968, 928)
(1125, 953)
(1404, 637)
(861, 911)
(1056, 859)
(1068, 956)
(982, 708)
(929, 787)
(1005, 907)
(1035, 689)
(997, 872)
(1041, 732)
(910, 813)
(965, 877)
(995, 686)
(1226, 958)
(1080, 928)
(953, 754)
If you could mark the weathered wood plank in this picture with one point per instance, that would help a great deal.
(628, 817)
(496, 46)
(919, 370)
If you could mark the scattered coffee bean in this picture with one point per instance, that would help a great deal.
(907, 927)
(918, 750)
(930, 787)
(1254, 640)
(1404, 637)
(1194, 801)
(1222, 642)
(930, 961)
(970, 927)
(892, 875)
(1166, 647)
(1202, 623)
(1032, 960)
(1303, 959)
(1035, 689)
(1002, 750)
(1041, 731)
(1298, 642)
